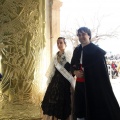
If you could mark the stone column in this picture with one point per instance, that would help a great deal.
(55, 23)
(22, 32)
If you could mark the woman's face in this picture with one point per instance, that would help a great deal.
(61, 44)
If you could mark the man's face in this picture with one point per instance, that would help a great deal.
(84, 38)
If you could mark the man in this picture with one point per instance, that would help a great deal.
(94, 97)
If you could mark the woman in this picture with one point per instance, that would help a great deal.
(57, 100)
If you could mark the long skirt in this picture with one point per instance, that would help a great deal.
(57, 99)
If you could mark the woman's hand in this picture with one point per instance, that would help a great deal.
(79, 73)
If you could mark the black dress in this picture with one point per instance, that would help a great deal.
(57, 100)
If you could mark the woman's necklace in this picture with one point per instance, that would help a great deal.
(61, 58)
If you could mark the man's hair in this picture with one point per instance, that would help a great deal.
(84, 29)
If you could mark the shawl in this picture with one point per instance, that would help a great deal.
(51, 69)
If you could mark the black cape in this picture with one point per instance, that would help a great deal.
(100, 99)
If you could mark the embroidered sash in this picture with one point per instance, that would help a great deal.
(65, 73)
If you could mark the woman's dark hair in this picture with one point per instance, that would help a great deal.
(63, 39)
(84, 29)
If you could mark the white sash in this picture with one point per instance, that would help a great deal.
(65, 73)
